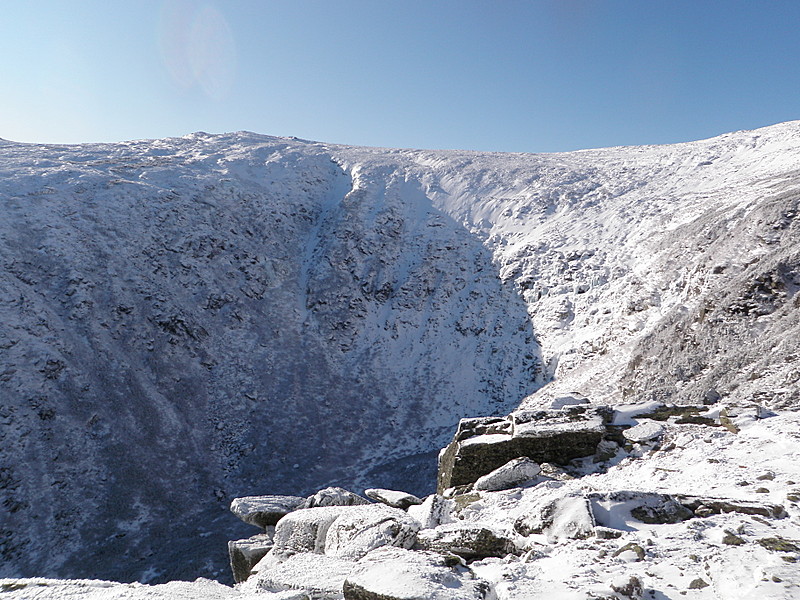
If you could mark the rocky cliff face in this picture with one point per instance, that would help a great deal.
(184, 321)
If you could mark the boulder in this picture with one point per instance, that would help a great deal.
(333, 496)
(434, 510)
(468, 540)
(644, 433)
(392, 498)
(244, 554)
(565, 517)
(264, 511)
(320, 576)
(344, 531)
(512, 474)
(395, 574)
(305, 530)
(482, 445)
(360, 529)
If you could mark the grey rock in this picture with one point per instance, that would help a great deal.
(305, 530)
(482, 446)
(264, 511)
(245, 554)
(469, 540)
(514, 473)
(392, 498)
(711, 506)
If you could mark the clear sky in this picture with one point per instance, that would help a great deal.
(507, 75)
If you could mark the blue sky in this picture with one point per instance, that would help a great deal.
(505, 75)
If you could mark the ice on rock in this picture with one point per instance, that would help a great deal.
(396, 574)
(512, 474)
(393, 498)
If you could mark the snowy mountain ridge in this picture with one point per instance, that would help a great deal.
(193, 319)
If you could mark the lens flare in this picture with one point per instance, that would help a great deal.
(197, 47)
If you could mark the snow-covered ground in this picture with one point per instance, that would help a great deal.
(188, 320)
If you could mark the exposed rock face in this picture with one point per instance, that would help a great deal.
(245, 554)
(481, 446)
(264, 511)
(397, 574)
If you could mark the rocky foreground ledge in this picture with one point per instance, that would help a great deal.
(567, 501)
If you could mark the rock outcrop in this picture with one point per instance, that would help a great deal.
(483, 445)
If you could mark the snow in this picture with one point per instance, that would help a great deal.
(184, 321)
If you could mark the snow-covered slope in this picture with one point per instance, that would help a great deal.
(187, 320)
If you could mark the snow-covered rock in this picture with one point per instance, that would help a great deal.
(229, 302)
(357, 531)
(321, 577)
(562, 518)
(644, 432)
(333, 496)
(480, 447)
(469, 540)
(434, 510)
(515, 472)
(264, 511)
(305, 530)
(397, 574)
(393, 498)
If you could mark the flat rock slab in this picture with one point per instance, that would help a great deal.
(333, 496)
(468, 540)
(393, 498)
(264, 511)
(481, 446)
(396, 574)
